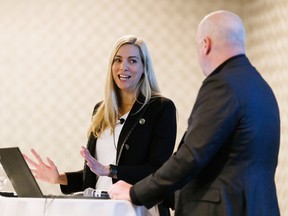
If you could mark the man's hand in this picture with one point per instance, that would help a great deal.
(120, 191)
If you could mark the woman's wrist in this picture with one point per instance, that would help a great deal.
(112, 171)
(62, 179)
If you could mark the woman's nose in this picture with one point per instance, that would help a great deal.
(124, 65)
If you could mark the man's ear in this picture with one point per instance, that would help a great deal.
(207, 45)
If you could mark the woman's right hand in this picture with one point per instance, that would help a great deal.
(45, 172)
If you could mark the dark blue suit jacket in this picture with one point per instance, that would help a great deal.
(228, 155)
(151, 142)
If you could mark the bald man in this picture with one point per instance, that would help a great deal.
(226, 161)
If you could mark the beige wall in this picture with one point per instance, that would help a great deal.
(53, 57)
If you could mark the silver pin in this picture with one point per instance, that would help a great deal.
(142, 121)
(127, 147)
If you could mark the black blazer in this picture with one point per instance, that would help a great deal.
(228, 156)
(146, 144)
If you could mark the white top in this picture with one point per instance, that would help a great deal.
(106, 151)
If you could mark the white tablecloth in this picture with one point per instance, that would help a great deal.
(68, 207)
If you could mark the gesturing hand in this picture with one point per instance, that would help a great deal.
(94, 165)
(45, 172)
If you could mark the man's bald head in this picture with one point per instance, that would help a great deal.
(223, 26)
(224, 34)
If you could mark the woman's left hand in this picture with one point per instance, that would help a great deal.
(94, 165)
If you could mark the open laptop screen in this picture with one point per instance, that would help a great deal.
(24, 183)
(19, 173)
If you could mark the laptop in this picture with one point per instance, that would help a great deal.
(24, 183)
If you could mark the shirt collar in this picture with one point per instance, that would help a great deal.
(219, 68)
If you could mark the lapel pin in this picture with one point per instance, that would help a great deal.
(127, 147)
(142, 121)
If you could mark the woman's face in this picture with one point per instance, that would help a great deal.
(127, 67)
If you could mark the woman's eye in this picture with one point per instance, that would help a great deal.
(132, 61)
(117, 60)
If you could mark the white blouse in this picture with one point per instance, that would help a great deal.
(106, 148)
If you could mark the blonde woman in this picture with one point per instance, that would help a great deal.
(133, 129)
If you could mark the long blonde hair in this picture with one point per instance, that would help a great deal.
(108, 112)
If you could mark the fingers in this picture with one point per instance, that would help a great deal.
(50, 162)
(82, 151)
(96, 167)
(120, 191)
(86, 155)
(36, 156)
(30, 161)
(34, 172)
(39, 159)
(90, 158)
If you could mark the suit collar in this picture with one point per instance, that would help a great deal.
(236, 58)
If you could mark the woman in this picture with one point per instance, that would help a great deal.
(133, 129)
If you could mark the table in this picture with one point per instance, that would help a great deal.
(11, 206)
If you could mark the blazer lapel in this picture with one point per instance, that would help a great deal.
(130, 124)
